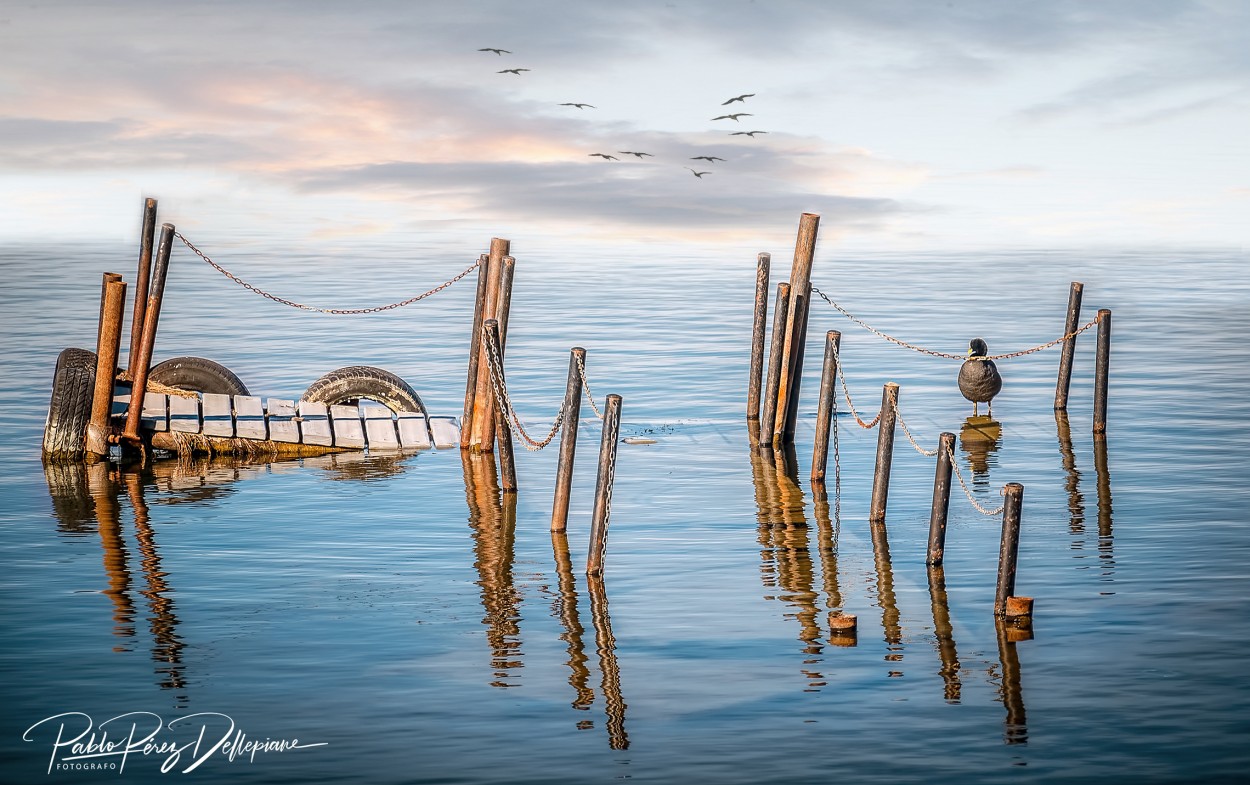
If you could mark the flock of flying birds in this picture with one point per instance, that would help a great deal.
(711, 159)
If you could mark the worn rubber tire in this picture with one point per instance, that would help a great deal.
(69, 411)
(364, 381)
(196, 373)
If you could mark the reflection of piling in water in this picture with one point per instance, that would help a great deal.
(1076, 502)
(1016, 730)
(980, 437)
(108, 520)
(167, 645)
(842, 626)
(492, 516)
(69, 490)
(786, 561)
(605, 643)
(1104, 499)
(885, 590)
(944, 633)
(579, 678)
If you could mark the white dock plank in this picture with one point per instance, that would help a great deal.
(446, 432)
(154, 416)
(380, 429)
(315, 425)
(249, 417)
(218, 415)
(348, 430)
(282, 424)
(184, 414)
(414, 433)
(121, 401)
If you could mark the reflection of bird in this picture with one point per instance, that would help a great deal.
(980, 438)
(741, 98)
(734, 116)
(578, 106)
(698, 174)
(605, 156)
(708, 158)
(747, 133)
(496, 51)
(516, 71)
(978, 377)
(636, 155)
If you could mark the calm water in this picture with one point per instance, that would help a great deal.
(394, 612)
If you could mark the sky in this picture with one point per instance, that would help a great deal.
(904, 124)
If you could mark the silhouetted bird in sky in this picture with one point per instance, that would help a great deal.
(708, 158)
(747, 133)
(733, 117)
(631, 152)
(496, 51)
(741, 98)
(978, 377)
(605, 156)
(516, 71)
(698, 174)
(578, 106)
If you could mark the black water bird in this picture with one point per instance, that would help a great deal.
(741, 98)
(698, 174)
(578, 106)
(516, 71)
(636, 155)
(708, 158)
(496, 51)
(978, 377)
(747, 133)
(734, 116)
(604, 156)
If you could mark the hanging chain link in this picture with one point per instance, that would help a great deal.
(946, 355)
(581, 368)
(846, 391)
(899, 416)
(495, 366)
(302, 307)
(967, 492)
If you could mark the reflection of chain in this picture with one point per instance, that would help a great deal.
(847, 392)
(899, 416)
(337, 311)
(1002, 492)
(501, 394)
(945, 355)
(581, 367)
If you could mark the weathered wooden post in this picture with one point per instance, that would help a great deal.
(146, 240)
(507, 463)
(885, 452)
(941, 500)
(792, 403)
(1009, 547)
(603, 487)
(1069, 346)
(775, 357)
(490, 432)
(758, 328)
(108, 346)
(826, 406)
(568, 439)
(796, 322)
(1101, 369)
(152, 313)
(494, 278)
(475, 346)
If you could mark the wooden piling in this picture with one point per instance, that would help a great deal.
(885, 452)
(1069, 346)
(152, 313)
(791, 419)
(1009, 547)
(603, 487)
(107, 347)
(475, 346)
(775, 356)
(507, 461)
(941, 500)
(794, 338)
(143, 276)
(826, 406)
(568, 440)
(1101, 368)
(763, 262)
(498, 250)
(490, 432)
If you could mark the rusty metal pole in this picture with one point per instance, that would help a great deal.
(475, 346)
(941, 500)
(568, 440)
(107, 348)
(507, 462)
(1101, 368)
(800, 288)
(885, 452)
(1009, 547)
(1069, 346)
(603, 487)
(147, 239)
(152, 313)
(491, 432)
(498, 250)
(105, 280)
(758, 328)
(826, 406)
(775, 356)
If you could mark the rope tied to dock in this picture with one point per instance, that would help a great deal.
(494, 366)
(335, 311)
(946, 355)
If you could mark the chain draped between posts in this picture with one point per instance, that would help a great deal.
(335, 311)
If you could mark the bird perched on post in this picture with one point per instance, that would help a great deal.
(978, 377)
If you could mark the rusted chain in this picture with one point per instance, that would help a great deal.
(302, 307)
(946, 355)
(495, 366)
(899, 416)
(1002, 491)
(846, 391)
(581, 367)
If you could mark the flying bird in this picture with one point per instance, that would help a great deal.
(631, 152)
(516, 71)
(578, 106)
(734, 116)
(741, 98)
(698, 174)
(747, 133)
(605, 156)
(978, 377)
(496, 51)
(708, 158)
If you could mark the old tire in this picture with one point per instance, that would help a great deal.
(196, 373)
(69, 411)
(364, 381)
